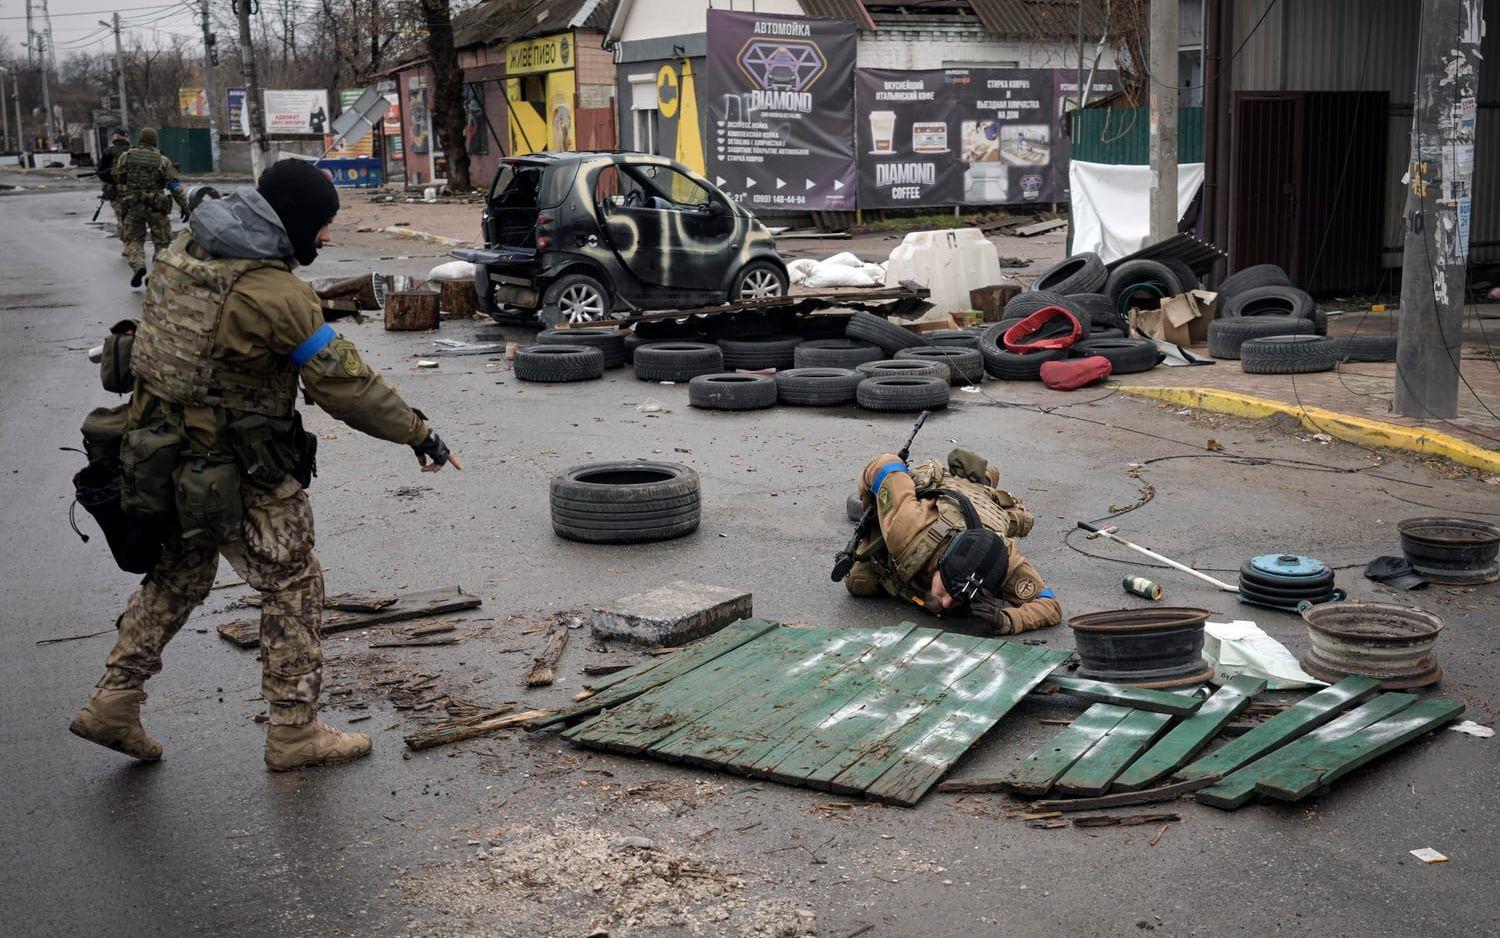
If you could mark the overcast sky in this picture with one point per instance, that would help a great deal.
(75, 23)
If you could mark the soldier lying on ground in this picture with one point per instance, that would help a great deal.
(947, 540)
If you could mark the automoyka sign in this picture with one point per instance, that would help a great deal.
(544, 54)
(779, 95)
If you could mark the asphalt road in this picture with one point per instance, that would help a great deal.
(209, 842)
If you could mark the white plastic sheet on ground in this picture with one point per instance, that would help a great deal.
(1112, 205)
(841, 270)
(1241, 647)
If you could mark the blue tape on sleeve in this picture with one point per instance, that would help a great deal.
(312, 345)
(1046, 594)
(885, 470)
(174, 184)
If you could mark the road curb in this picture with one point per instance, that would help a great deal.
(419, 235)
(1360, 430)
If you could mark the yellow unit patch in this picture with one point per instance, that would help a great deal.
(350, 361)
(884, 499)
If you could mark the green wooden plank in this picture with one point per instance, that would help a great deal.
(1136, 698)
(881, 758)
(641, 722)
(719, 736)
(1331, 762)
(605, 682)
(1092, 774)
(1187, 739)
(1238, 786)
(721, 642)
(1039, 771)
(865, 722)
(1305, 715)
(829, 738)
(970, 715)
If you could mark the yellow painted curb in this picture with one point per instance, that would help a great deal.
(1352, 429)
(415, 234)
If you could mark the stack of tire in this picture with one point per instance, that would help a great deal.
(1083, 286)
(1271, 326)
(903, 381)
(577, 354)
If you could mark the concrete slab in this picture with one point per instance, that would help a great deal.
(672, 614)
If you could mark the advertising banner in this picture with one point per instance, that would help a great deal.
(192, 102)
(296, 111)
(239, 118)
(779, 96)
(366, 146)
(981, 136)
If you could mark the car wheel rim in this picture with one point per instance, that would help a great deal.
(581, 304)
(760, 284)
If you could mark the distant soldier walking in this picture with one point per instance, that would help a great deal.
(148, 185)
(119, 143)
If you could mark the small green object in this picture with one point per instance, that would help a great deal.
(1041, 770)
(1189, 737)
(1332, 762)
(1305, 715)
(1092, 774)
(1236, 788)
(1141, 586)
(1137, 698)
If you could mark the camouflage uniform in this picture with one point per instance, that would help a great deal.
(900, 560)
(112, 190)
(146, 177)
(220, 338)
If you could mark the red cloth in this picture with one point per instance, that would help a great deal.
(1016, 340)
(1074, 373)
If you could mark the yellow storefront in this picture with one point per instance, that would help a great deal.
(541, 89)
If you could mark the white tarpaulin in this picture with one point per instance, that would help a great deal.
(1242, 647)
(1112, 205)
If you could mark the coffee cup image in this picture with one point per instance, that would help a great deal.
(882, 132)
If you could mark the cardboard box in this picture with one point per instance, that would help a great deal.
(1181, 320)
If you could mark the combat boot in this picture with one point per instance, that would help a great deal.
(112, 718)
(315, 743)
(138, 276)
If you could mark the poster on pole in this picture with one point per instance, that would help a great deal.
(296, 111)
(239, 115)
(780, 100)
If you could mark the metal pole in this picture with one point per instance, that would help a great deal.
(4, 118)
(1079, 89)
(120, 71)
(1439, 200)
(1164, 95)
(15, 78)
(210, 91)
(258, 143)
(45, 62)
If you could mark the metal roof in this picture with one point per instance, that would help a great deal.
(1039, 19)
(497, 21)
(842, 9)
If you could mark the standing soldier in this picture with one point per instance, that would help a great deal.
(226, 333)
(947, 540)
(119, 142)
(148, 185)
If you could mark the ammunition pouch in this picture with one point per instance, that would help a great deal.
(148, 458)
(268, 449)
(103, 431)
(135, 544)
(114, 366)
(209, 504)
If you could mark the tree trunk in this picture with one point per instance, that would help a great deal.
(460, 300)
(447, 91)
(411, 312)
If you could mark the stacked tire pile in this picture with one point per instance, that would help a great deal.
(1091, 295)
(1269, 325)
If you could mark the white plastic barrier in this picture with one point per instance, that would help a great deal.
(950, 262)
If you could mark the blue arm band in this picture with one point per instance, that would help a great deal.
(1046, 594)
(174, 184)
(885, 470)
(312, 345)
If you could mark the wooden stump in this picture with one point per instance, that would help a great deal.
(459, 299)
(991, 300)
(412, 311)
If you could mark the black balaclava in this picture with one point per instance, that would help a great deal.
(304, 199)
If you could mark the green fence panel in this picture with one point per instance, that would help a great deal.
(188, 147)
(1122, 136)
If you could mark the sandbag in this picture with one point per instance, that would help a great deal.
(452, 270)
(1074, 373)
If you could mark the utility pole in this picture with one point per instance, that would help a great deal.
(258, 143)
(1439, 202)
(4, 118)
(210, 90)
(120, 71)
(44, 61)
(1164, 95)
(15, 78)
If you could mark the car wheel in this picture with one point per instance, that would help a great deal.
(575, 299)
(758, 280)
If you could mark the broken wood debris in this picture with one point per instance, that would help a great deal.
(426, 739)
(245, 633)
(1128, 820)
(544, 665)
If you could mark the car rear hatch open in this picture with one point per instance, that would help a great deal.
(523, 188)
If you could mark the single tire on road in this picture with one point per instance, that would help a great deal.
(558, 363)
(732, 392)
(625, 502)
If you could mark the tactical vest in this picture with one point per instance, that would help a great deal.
(998, 511)
(140, 177)
(174, 342)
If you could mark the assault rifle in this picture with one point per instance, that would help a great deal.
(844, 562)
